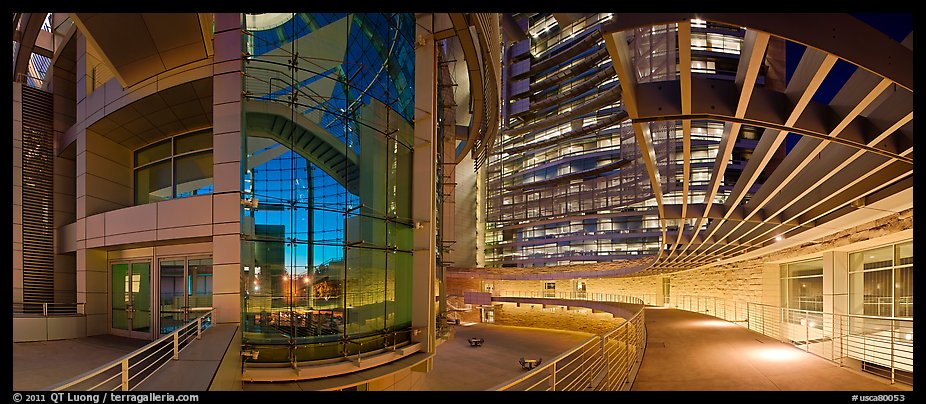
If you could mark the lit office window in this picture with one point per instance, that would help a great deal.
(881, 281)
(802, 285)
(174, 168)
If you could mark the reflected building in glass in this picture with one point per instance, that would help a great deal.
(333, 193)
(327, 143)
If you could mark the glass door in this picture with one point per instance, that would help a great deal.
(131, 299)
(172, 299)
(185, 291)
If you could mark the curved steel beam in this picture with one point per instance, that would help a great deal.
(836, 33)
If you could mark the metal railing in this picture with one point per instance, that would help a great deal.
(128, 372)
(879, 345)
(605, 362)
(596, 297)
(47, 309)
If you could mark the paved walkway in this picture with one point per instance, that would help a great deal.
(693, 351)
(37, 365)
(685, 352)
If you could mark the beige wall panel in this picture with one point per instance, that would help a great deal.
(17, 153)
(226, 67)
(226, 208)
(67, 328)
(227, 88)
(94, 226)
(227, 147)
(226, 177)
(227, 45)
(101, 146)
(227, 249)
(132, 219)
(97, 303)
(227, 114)
(82, 102)
(94, 103)
(97, 324)
(105, 189)
(112, 91)
(226, 228)
(137, 237)
(184, 249)
(66, 240)
(18, 232)
(228, 307)
(184, 232)
(182, 212)
(80, 229)
(226, 278)
(29, 329)
(115, 171)
(96, 242)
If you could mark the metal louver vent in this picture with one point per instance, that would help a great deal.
(38, 177)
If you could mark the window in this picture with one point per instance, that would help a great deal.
(549, 289)
(174, 168)
(881, 281)
(802, 285)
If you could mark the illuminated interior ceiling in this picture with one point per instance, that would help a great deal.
(852, 164)
(138, 46)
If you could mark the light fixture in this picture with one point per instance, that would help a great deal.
(779, 238)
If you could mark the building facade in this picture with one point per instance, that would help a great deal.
(332, 184)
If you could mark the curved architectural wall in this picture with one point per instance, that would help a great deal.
(327, 250)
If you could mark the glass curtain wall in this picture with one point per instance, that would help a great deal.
(327, 141)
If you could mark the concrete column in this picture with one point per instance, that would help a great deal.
(423, 186)
(840, 282)
(835, 297)
(92, 289)
(481, 216)
(771, 285)
(226, 168)
(465, 209)
(17, 192)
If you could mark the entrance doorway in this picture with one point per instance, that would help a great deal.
(185, 291)
(131, 299)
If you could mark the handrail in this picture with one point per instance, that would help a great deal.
(139, 362)
(48, 309)
(879, 345)
(605, 362)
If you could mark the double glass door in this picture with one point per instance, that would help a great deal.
(185, 291)
(131, 299)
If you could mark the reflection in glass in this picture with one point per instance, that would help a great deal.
(193, 174)
(171, 297)
(802, 285)
(172, 168)
(326, 261)
(153, 183)
(881, 281)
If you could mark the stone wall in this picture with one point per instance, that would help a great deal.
(556, 318)
(754, 280)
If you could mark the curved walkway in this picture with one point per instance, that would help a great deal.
(692, 351)
(685, 351)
